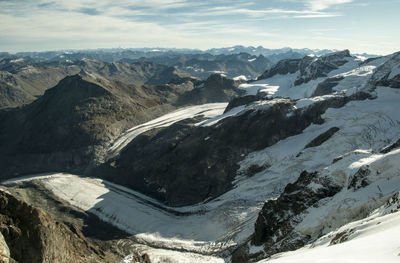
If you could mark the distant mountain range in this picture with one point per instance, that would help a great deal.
(116, 54)
(25, 76)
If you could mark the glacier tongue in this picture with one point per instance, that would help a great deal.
(207, 111)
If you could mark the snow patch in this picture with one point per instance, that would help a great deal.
(374, 239)
(241, 77)
(17, 60)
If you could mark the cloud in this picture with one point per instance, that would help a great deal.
(317, 5)
(89, 11)
(58, 24)
(322, 15)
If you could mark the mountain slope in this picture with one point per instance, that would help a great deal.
(269, 175)
(66, 128)
(73, 124)
(24, 80)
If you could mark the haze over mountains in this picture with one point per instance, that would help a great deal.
(228, 155)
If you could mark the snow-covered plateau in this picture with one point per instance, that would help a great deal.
(360, 223)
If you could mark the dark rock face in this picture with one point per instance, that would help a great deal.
(388, 73)
(274, 228)
(65, 129)
(322, 137)
(283, 67)
(393, 82)
(391, 147)
(34, 236)
(216, 88)
(218, 81)
(191, 168)
(276, 217)
(315, 68)
(244, 100)
(360, 178)
(326, 87)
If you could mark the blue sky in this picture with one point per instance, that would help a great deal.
(362, 26)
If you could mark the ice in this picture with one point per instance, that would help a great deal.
(355, 79)
(241, 77)
(16, 60)
(271, 85)
(374, 239)
(163, 255)
(230, 113)
(206, 110)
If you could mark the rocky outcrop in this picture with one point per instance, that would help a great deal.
(283, 67)
(391, 147)
(326, 87)
(388, 74)
(309, 68)
(274, 228)
(360, 178)
(216, 88)
(320, 139)
(32, 235)
(276, 218)
(243, 101)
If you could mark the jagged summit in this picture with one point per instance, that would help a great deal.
(77, 86)
(309, 68)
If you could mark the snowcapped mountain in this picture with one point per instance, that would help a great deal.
(307, 161)
(260, 50)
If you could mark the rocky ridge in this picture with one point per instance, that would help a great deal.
(24, 80)
(32, 235)
(309, 68)
(72, 124)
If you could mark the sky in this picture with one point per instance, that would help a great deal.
(370, 26)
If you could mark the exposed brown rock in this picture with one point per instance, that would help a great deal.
(34, 236)
(4, 250)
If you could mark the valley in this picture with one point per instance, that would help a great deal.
(161, 165)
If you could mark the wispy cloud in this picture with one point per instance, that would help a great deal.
(322, 15)
(317, 5)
